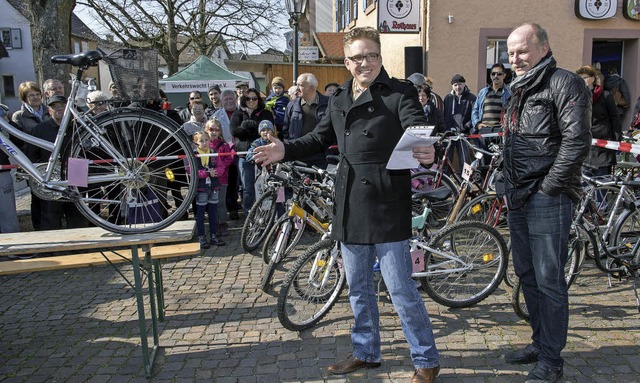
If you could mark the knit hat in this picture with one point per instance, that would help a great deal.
(265, 124)
(277, 81)
(457, 78)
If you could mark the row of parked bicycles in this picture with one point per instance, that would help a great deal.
(460, 243)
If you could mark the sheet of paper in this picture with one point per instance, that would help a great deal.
(415, 136)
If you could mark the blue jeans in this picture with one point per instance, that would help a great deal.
(248, 179)
(539, 241)
(396, 268)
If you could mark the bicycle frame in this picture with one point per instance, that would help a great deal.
(56, 147)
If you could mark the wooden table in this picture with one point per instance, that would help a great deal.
(97, 239)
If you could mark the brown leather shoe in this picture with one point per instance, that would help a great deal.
(349, 365)
(425, 375)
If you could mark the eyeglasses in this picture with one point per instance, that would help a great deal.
(251, 98)
(497, 73)
(194, 98)
(34, 95)
(370, 57)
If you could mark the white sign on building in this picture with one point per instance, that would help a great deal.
(399, 16)
(308, 53)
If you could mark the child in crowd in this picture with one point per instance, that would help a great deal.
(208, 188)
(265, 127)
(277, 103)
(223, 162)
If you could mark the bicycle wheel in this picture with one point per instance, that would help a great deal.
(304, 299)
(287, 229)
(133, 196)
(487, 208)
(428, 180)
(626, 234)
(466, 262)
(259, 220)
(518, 303)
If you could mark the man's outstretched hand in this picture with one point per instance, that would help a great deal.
(270, 153)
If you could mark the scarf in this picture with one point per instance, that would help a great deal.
(205, 160)
(531, 75)
(38, 113)
(520, 85)
(597, 92)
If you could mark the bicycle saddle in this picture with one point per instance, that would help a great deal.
(84, 59)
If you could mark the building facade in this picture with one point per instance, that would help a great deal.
(467, 37)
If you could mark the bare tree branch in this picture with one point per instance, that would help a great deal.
(171, 26)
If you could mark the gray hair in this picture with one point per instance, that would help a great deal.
(309, 79)
(228, 92)
(97, 95)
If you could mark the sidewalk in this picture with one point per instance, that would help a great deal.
(81, 326)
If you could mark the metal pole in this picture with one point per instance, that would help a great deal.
(295, 49)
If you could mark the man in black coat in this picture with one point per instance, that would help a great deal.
(547, 125)
(372, 209)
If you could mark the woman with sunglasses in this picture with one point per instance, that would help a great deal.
(244, 127)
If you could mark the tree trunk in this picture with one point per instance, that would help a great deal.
(51, 34)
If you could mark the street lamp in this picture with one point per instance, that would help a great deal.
(296, 9)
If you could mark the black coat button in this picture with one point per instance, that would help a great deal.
(364, 180)
(347, 132)
(370, 109)
(365, 133)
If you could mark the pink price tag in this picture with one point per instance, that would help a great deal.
(417, 256)
(78, 172)
(280, 197)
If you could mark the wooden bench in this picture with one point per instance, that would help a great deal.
(60, 262)
(106, 248)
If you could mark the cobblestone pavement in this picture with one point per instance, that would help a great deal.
(81, 326)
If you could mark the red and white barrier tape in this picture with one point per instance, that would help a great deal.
(615, 145)
(160, 158)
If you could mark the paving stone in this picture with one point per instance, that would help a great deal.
(82, 326)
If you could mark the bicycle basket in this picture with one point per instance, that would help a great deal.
(134, 73)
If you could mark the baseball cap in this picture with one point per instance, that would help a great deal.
(56, 98)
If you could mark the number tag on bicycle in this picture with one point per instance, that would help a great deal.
(466, 171)
(417, 256)
(280, 197)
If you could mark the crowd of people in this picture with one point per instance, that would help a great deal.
(547, 116)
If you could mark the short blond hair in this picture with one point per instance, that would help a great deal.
(361, 33)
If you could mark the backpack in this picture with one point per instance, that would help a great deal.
(621, 102)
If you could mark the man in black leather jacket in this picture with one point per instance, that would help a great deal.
(547, 137)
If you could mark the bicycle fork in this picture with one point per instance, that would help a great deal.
(322, 266)
(281, 242)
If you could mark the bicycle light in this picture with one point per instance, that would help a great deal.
(169, 174)
(487, 257)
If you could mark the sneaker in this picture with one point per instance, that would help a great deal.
(203, 242)
(525, 355)
(217, 241)
(543, 373)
